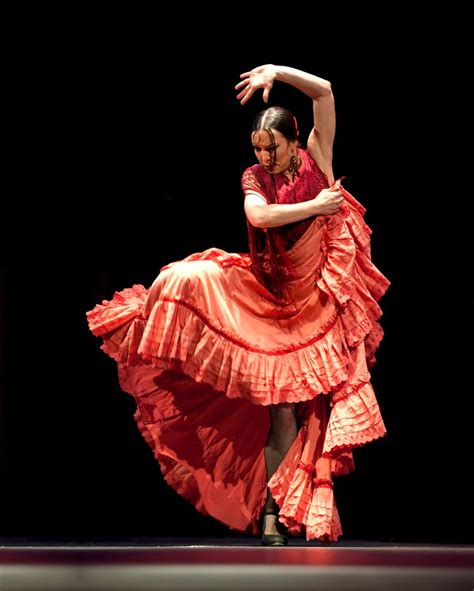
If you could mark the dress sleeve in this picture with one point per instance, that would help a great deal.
(251, 184)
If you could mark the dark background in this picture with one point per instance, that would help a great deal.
(130, 150)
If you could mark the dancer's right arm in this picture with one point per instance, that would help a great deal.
(263, 215)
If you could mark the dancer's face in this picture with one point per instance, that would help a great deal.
(273, 150)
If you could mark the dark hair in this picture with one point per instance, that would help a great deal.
(277, 118)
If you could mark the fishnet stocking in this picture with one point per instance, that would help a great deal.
(283, 431)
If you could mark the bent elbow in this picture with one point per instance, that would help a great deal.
(257, 216)
(326, 89)
(255, 221)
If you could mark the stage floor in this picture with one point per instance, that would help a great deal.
(230, 563)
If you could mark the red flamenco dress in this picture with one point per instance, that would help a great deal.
(220, 336)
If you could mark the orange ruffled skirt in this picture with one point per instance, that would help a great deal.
(207, 348)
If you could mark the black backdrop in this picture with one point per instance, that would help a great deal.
(135, 149)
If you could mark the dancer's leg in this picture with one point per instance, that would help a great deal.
(283, 431)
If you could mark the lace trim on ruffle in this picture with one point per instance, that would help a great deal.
(357, 440)
(346, 393)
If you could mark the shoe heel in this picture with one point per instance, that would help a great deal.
(272, 539)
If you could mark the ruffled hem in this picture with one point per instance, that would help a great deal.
(347, 272)
(306, 504)
(179, 333)
(303, 487)
(184, 338)
(235, 494)
(355, 420)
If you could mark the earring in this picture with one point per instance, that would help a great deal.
(293, 166)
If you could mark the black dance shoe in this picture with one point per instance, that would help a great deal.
(272, 539)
